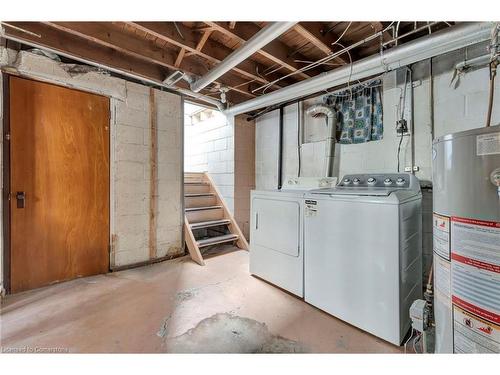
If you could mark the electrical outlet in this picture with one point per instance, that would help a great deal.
(401, 127)
(415, 168)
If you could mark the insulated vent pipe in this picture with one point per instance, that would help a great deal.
(320, 110)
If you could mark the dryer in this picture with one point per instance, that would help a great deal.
(363, 259)
(276, 232)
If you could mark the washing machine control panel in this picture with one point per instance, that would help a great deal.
(393, 180)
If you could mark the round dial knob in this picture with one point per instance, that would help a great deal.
(387, 181)
(371, 181)
(356, 181)
(400, 181)
(346, 181)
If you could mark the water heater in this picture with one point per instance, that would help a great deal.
(466, 241)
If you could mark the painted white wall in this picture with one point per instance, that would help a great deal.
(130, 156)
(209, 147)
(455, 109)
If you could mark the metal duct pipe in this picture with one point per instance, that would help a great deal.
(252, 45)
(182, 91)
(323, 110)
(440, 42)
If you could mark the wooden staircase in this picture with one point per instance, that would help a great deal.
(207, 220)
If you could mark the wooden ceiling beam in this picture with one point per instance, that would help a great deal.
(213, 52)
(179, 58)
(313, 33)
(79, 48)
(112, 36)
(203, 40)
(276, 51)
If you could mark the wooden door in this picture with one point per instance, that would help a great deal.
(59, 159)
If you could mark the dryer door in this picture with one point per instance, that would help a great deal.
(275, 242)
(276, 225)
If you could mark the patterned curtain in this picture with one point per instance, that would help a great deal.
(360, 114)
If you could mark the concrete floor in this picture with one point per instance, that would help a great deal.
(175, 306)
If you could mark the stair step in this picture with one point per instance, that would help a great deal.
(189, 195)
(195, 183)
(196, 188)
(200, 201)
(197, 216)
(211, 223)
(217, 240)
(191, 209)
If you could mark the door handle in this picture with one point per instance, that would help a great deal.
(20, 198)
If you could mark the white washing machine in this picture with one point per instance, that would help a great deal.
(276, 232)
(363, 259)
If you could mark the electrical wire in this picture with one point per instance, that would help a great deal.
(178, 30)
(409, 338)
(313, 65)
(343, 33)
(415, 341)
(300, 115)
(324, 59)
(399, 148)
(402, 111)
(350, 71)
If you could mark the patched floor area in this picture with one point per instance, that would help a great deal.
(178, 307)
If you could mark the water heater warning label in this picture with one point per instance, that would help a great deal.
(488, 144)
(441, 236)
(475, 267)
(473, 334)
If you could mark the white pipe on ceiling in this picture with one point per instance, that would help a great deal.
(438, 43)
(252, 45)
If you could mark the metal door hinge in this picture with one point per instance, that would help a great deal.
(7, 136)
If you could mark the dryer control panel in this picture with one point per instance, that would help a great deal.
(387, 180)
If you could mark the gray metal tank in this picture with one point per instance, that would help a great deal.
(466, 243)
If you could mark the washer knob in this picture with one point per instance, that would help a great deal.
(387, 182)
(356, 181)
(346, 181)
(371, 181)
(400, 181)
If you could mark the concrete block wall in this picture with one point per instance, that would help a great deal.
(209, 147)
(130, 155)
(133, 171)
(244, 171)
(456, 108)
(266, 151)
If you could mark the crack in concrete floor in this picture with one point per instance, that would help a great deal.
(183, 296)
(228, 333)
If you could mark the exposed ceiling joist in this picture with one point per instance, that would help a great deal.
(203, 40)
(179, 58)
(112, 37)
(275, 51)
(312, 32)
(79, 49)
(213, 52)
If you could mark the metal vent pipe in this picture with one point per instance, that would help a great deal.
(252, 45)
(323, 110)
(440, 42)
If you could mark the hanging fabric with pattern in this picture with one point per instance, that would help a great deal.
(360, 115)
